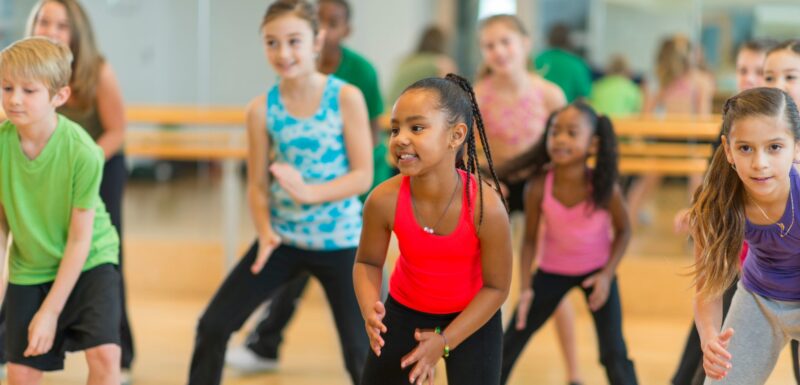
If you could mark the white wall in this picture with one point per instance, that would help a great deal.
(637, 31)
(153, 45)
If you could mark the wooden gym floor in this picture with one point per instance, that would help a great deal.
(174, 263)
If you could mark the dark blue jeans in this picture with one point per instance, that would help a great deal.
(548, 290)
(242, 292)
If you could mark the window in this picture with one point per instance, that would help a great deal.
(493, 7)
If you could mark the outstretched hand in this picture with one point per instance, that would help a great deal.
(375, 327)
(716, 358)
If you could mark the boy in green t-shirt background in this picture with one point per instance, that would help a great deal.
(615, 94)
(63, 291)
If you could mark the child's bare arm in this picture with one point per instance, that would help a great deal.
(111, 111)
(708, 320)
(534, 193)
(622, 230)
(258, 180)
(371, 255)
(4, 238)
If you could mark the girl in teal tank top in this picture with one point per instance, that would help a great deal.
(309, 157)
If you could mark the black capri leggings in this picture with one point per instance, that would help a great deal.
(475, 362)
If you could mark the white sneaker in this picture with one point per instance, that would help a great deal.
(125, 377)
(246, 361)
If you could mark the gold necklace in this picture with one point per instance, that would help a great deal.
(780, 225)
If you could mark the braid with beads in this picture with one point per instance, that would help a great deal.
(472, 166)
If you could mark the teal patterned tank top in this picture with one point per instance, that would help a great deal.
(315, 147)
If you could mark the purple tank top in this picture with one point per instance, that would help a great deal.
(772, 266)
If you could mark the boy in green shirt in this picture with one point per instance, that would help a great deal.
(63, 291)
(559, 65)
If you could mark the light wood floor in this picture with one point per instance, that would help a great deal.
(174, 263)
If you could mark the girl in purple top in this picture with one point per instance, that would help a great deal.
(751, 192)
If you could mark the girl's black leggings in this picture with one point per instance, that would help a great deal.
(475, 362)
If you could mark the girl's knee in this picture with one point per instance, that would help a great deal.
(23, 375)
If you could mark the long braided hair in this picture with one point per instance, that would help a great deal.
(457, 98)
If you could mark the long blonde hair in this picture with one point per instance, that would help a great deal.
(87, 59)
(717, 217)
(674, 59)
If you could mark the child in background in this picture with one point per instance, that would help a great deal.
(308, 159)
(560, 65)
(685, 90)
(615, 94)
(454, 267)
(429, 60)
(782, 68)
(515, 104)
(64, 288)
(586, 232)
(749, 194)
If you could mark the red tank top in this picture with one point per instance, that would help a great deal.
(437, 274)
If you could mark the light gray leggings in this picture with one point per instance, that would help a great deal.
(762, 327)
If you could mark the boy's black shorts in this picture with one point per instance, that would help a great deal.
(90, 318)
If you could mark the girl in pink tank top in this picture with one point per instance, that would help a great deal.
(454, 267)
(586, 232)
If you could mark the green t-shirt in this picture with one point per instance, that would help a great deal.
(356, 70)
(567, 70)
(38, 197)
(615, 96)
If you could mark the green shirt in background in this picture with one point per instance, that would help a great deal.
(567, 70)
(616, 95)
(38, 197)
(356, 70)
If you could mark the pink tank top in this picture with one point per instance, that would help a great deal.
(522, 121)
(577, 239)
(681, 97)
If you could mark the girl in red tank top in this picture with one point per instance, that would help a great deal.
(454, 268)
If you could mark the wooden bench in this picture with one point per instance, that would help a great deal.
(686, 154)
